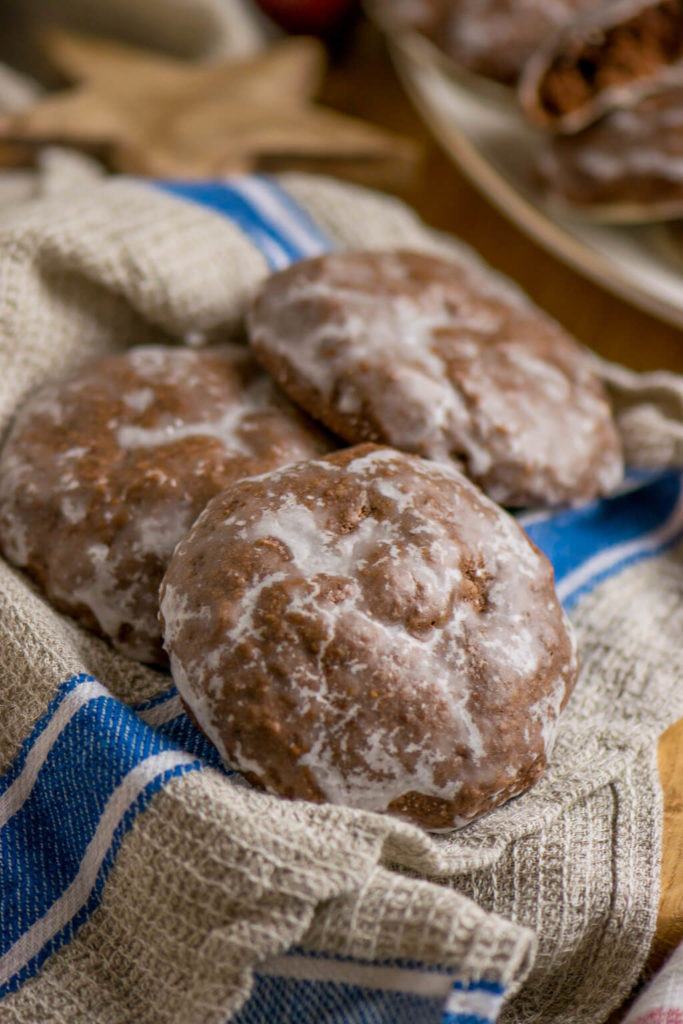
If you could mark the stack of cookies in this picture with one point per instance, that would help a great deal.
(309, 529)
(603, 78)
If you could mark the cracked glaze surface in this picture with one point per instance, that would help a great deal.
(104, 472)
(369, 629)
(448, 362)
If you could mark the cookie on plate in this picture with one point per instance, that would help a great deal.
(606, 58)
(493, 38)
(446, 361)
(104, 472)
(627, 166)
(369, 629)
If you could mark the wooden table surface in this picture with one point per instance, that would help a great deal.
(361, 81)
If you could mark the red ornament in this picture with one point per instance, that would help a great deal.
(316, 17)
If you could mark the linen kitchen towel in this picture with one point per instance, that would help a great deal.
(139, 879)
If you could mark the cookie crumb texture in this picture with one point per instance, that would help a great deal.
(104, 472)
(369, 629)
(605, 59)
(441, 360)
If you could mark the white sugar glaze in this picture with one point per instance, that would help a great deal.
(478, 26)
(461, 369)
(631, 160)
(401, 558)
(100, 458)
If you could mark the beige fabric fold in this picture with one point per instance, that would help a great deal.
(649, 411)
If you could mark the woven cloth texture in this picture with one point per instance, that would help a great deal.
(554, 896)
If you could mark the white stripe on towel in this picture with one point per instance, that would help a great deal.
(612, 557)
(273, 209)
(73, 898)
(341, 972)
(17, 793)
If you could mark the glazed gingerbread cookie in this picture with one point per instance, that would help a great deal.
(369, 629)
(104, 472)
(607, 58)
(493, 38)
(445, 361)
(626, 166)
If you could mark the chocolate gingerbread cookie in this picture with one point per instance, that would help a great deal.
(103, 473)
(493, 38)
(606, 58)
(369, 629)
(627, 166)
(446, 361)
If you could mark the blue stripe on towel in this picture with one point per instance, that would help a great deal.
(288, 214)
(269, 216)
(310, 987)
(165, 713)
(181, 732)
(17, 766)
(474, 1002)
(88, 768)
(329, 1002)
(586, 545)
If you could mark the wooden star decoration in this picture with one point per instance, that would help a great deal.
(152, 115)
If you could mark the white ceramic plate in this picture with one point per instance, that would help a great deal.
(482, 129)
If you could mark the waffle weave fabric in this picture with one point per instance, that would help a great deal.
(142, 882)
